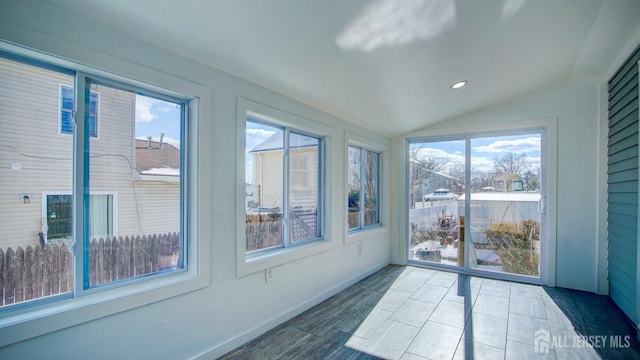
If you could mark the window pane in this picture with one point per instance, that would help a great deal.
(264, 161)
(67, 98)
(303, 187)
(505, 191)
(59, 220)
(436, 180)
(66, 111)
(66, 126)
(101, 216)
(66, 115)
(135, 186)
(354, 182)
(370, 169)
(36, 160)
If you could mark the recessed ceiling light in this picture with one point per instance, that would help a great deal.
(459, 84)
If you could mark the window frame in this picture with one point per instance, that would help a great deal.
(81, 181)
(548, 126)
(362, 200)
(249, 263)
(380, 147)
(62, 110)
(26, 320)
(288, 188)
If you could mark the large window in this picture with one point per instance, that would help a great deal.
(363, 179)
(118, 206)
(283, 181)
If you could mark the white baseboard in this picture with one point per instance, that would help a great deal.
(249, 335)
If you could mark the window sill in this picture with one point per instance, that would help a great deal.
(354, 236)
(249, 264)
(32, 321)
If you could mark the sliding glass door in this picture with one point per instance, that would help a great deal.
(486, 189)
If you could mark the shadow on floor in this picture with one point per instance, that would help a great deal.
(331, 329)
(323, 331)
(599, 321)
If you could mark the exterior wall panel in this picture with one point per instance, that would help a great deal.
(623, 187)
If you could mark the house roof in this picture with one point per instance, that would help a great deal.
(274, 142)
(156, 161)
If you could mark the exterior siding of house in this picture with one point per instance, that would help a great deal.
(267, 170)
(623, 187)
(30, 138)
(30, 116)
(159, 208)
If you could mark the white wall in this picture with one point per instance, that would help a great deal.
(225, 314)
(579, 167)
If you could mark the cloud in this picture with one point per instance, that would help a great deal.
(256, 136)
(482, 164)
(449, 159)
(530, 144)
(147, 108)
(143, 109)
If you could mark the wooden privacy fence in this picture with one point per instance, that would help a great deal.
(37, 272)
(34, 272)
(263, 235)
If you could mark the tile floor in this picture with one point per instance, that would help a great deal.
(412, 313)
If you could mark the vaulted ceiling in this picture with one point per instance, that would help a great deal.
(386, 64)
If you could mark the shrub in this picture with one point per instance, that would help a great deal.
(514, 244)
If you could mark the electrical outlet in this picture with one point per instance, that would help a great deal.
(359, 248)
(268, 275)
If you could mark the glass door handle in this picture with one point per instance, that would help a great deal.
(542, 205)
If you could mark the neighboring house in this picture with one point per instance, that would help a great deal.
(425, 181)
(268, 167)
(134, 187)
(498, 182)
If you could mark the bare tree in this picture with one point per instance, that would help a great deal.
(511, 164)
(480, 179)
(457, 173)
(421, 166)
(510, 167)
(531, 178)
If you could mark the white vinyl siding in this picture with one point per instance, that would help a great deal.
(30, 140)
(45, 164)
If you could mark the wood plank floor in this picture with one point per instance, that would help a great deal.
(412, 313)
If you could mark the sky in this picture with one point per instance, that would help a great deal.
(255, 134)
(484, 150)
(154, 116)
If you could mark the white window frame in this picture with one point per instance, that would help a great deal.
(60, 110)
(26, 320)
(548, 126)
(45, 209)
(381, 147)
(261, 260)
